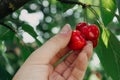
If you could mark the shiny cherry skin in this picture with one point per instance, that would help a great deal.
(90, 32)
(77, 42)
(80, 25)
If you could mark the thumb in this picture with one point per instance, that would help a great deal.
(44, 54)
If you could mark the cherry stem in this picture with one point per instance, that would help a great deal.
(97, 17)
(85, 15)
(62, 59)
(86, 6)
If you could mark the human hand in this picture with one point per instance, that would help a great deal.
(39, 66)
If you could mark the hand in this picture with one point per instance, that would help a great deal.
(39, 66)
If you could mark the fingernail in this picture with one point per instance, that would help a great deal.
(89, 43)
(65, 29)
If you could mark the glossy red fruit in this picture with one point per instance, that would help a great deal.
(80, 25)
(90, 32)
(95, 42)
(77, 42)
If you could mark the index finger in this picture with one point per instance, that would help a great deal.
(80, 65)
(44, 54)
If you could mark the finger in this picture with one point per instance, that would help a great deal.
(61, 68)
(44, 54)
(84, 56)
(67, 72)
(79, 68)
(56, 76)
(81, 62)
(88, 49)
(65, 64)
(70, 59)
(59, 55)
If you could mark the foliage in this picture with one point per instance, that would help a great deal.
(51, 16)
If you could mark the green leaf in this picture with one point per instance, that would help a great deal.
(29, 29)
(105, 36)
(6, 34)
(65, 6)
(108, 8)
(118, 17)
(6, 60)
(25, 50)
(110, 56)
(118, 5)
(4, 75)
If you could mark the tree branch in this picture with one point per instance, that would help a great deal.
(3, 24)
(74, 2)
(9, 6)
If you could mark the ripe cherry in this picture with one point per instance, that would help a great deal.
(90, 32)
(80, 25)
(77, 42)
(95, 42)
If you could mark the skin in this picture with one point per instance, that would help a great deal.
(39, 65)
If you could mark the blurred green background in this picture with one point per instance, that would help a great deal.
(38, 20)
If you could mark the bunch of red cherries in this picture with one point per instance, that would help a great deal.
(84, 32)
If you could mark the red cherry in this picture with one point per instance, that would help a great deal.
(77, 42)
(95, 42)
(90, 32)
(80, 25)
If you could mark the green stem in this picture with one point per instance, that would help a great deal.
(62, 59)
(10, 28)
(85, 14)
(97, 17)
(74, 2)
